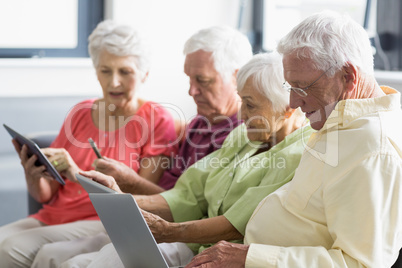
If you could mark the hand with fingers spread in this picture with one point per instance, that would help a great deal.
(119, 171)
(159, 227)
(129, 181)
(103, 179)
(62, 162)
(222, 255)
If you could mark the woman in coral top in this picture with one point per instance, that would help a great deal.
(135, 132)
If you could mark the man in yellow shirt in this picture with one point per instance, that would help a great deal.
(343, 206)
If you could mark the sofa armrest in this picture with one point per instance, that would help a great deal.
(43, 139)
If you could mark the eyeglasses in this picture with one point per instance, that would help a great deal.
(302, 91)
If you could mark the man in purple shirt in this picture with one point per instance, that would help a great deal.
(201, 139)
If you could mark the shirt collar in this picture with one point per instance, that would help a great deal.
(227, 123)
(348, 110)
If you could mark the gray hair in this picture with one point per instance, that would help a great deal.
(230, 48)
(119, 40)
(330, 40)
(266, 70)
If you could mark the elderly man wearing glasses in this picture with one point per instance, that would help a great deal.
(343, 206)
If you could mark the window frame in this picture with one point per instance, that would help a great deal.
(90, 13)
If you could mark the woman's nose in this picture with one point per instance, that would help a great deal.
(115, 80)
(242, 114)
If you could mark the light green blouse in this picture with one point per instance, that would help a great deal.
(232, 180)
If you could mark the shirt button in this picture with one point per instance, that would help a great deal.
(231, 174)
(79, 191)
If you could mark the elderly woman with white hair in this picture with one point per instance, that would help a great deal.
(120, 123)
(214, 199)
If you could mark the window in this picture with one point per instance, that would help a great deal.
(381, 19)
(388, 37)
(282, 15)
(47, 28)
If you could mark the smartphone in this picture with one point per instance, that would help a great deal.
(94, 147)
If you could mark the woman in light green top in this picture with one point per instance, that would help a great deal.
(214, 199)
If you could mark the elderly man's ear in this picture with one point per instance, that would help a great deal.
(350, 74)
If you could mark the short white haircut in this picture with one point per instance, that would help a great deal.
(330, 40)
(230, 48)
(266, 72)
(119, 40)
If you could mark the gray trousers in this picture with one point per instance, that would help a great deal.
(24, 240)
(175, 254)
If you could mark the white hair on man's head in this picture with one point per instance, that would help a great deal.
(119, 40)
(330, 40)
(266, 72)
(230, 48)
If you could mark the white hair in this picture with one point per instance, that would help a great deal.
(330, 40)
(230, 48)
(119, 40)
(266, 72)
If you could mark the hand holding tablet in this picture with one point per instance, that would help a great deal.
(33, 148)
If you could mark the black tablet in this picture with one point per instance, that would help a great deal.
(33, 148)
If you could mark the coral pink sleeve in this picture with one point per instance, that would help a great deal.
(162, 135)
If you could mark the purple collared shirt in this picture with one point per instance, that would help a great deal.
(202, 138)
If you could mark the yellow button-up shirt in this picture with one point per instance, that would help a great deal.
(343, 207)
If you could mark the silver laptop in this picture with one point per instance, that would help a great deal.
(92, 186)
(128, 230)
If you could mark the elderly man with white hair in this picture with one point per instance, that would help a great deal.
(343, 206)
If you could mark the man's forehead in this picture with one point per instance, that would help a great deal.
(195, 67)
(291, 62)
(200, 56)
(294, 66)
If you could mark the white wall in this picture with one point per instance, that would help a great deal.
(47, 77)
(389, 78)
(165, 24)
